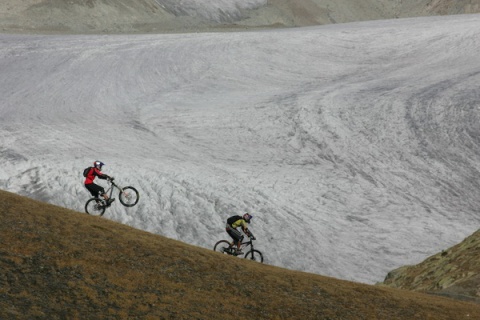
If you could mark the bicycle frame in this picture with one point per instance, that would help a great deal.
(128, 197)
(243, 246)
(246, 244)
(226, 247)
(111, 187)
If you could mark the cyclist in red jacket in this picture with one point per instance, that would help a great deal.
(95, 189)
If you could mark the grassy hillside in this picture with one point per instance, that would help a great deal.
(62, 264)
(454, 272)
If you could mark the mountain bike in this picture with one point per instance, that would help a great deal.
(226, 247)
(128, 196)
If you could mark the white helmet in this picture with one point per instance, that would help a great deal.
(98, 164)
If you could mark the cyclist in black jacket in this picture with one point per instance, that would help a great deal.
(238, 221)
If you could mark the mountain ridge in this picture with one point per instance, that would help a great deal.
(164, 16)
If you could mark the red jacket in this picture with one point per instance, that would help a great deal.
(94, 172)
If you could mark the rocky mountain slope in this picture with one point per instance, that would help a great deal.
(454, 272)
(142, 16)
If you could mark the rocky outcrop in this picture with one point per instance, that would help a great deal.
(454, 272)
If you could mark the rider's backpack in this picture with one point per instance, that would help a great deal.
(86, 171)
(232, 219)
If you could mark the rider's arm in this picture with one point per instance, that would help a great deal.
(100, 175)
(247, 232)
(245, 229)
(107, 177)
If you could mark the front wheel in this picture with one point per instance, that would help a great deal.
(129, 196)
(254, 255)
(95, 207)
(222, 246)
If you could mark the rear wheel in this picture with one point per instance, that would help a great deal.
(129, 196)
(222, 246)
(254, 255)
(95, 207)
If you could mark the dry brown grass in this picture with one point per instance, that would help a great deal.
(62, 264)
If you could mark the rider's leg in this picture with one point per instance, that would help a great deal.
(236, 236)
(239, 250)
(95, 190)
(101, 192)
(239, 243)
(108, 200)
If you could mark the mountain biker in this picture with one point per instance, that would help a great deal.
(238, 221)
(95, 189)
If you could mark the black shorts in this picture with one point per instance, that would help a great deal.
(234, 233)
(95, 189)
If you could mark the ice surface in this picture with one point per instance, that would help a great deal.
(355, 146)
